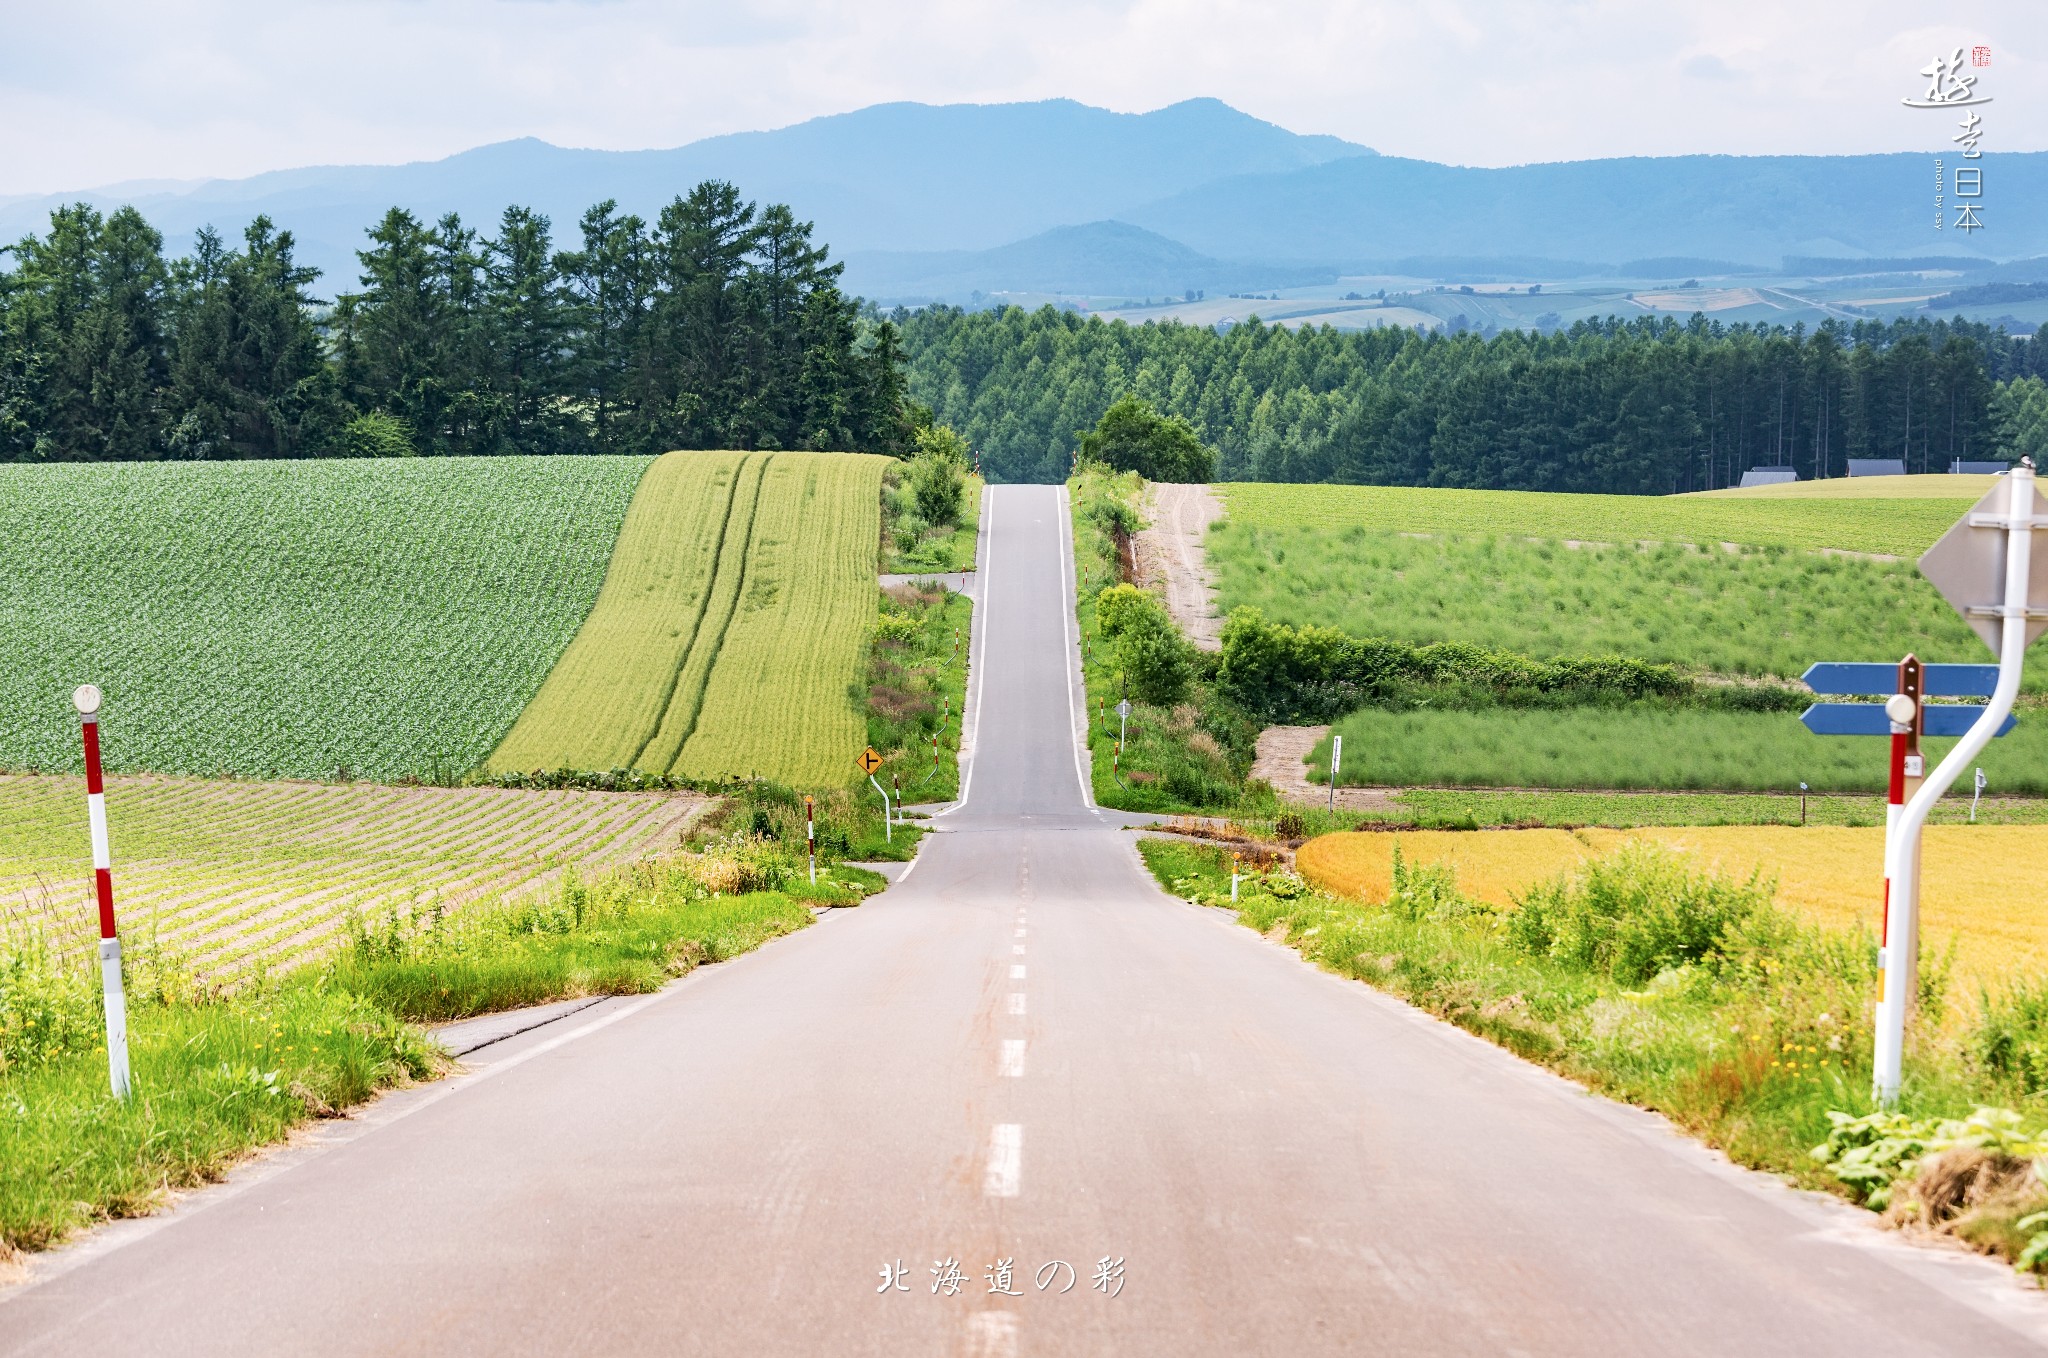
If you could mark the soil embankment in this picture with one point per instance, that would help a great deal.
(1169, 557)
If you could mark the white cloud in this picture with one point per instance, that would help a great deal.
(100, 90)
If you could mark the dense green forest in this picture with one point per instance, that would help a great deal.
(1644, 406)
(718, 324)
(715, 325)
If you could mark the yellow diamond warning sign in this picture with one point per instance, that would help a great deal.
(869, 761)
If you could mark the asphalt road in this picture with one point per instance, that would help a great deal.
(1022, 1052)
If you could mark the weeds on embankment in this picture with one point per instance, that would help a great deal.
(1695, 995)
(217, 1075)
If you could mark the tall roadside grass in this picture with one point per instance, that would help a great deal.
(916, 688)
(217, 1075)
(1694, 994)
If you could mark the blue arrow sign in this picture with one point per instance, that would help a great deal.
(1868, 719)
(1936, 681)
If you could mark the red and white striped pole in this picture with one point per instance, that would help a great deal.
(1898, 942)
(87, 700)
(811, 836)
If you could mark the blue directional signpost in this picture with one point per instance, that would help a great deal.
(1987, 568)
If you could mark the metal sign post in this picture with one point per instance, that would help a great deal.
(1987, 568)
(87, 700)
(868, 762)
(1976, 795)
(1336, 762)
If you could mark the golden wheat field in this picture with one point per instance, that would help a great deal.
(732, 621)
(1982, 884)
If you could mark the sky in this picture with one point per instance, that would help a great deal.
(95, 92)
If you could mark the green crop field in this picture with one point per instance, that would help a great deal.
(220, 876)
(294, 619)
(1902, 526)
(1642, 747)
(1550, 575)
(1931, 486)
(733, 621)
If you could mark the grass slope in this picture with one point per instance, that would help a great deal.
(1552, 575)
(1642, 747)
(294, 619)
(733, 621)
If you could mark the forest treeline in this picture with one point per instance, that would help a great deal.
(1647, 406)
(714, 325)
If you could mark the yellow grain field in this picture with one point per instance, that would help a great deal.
(731, 624)
(1981, 886)
(595, 710)
(776, 701)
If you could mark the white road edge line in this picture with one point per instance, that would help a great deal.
(1013, 1058)
(1005, 1161)
(1072, 630)
(977, 642)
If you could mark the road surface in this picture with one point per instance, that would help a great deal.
(1022, 1052)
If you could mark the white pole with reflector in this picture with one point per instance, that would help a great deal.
(1985, 566)
(87, 700)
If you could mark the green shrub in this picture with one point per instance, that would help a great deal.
(1316, 673)
(1132, 436)
(1634, 913)
(2010, 1040)
(44, 1012)
(376, 434)
(937, 484)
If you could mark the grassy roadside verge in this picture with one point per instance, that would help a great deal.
(1186, 748)
(912, 545)
(916, 688)
(1693, 995)
(220, 1075)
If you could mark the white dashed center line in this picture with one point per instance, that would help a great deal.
(1005, 1161)
(992, 1334)
(1017, 972)
(1017, 1003)
(1013, 1057)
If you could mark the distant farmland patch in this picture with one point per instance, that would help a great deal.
(300, 619)
(223, 875)
(1550, 575)
(1642, 747)
(729, 630)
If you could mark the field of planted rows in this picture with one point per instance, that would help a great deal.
(294, 619)
(1742, 586)
(223, 875)
(735, 617)
(1979, 886)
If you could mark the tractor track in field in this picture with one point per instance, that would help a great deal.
(703, 607)
(739, 592)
